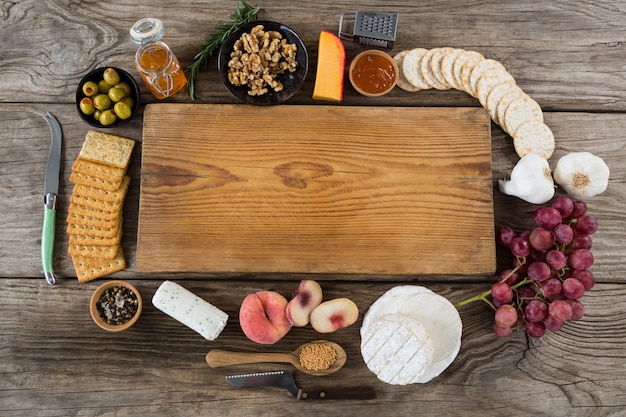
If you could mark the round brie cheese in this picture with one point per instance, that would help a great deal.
(434, 313)
(397, 349)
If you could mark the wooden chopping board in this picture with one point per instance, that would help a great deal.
(322, 189)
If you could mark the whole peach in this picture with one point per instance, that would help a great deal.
(262, 317)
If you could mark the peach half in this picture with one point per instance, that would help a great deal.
(334, 315)
(307, 297)
(262, 317)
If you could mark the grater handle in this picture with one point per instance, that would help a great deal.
(341, 33)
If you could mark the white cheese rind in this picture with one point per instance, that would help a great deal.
(435, 313)
(189, 309)
(397, 349)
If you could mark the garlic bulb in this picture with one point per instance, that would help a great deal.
(582, 174)
(531, 180)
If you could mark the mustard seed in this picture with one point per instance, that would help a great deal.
(317, 356)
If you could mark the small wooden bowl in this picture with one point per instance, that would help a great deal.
(95, 315)
(374, 54)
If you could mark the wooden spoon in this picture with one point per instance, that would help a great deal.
(217, 357)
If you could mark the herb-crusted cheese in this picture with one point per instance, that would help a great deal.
(189, 309)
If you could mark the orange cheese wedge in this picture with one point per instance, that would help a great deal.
(331, 62)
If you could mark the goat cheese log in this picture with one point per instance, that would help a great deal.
(189, 309)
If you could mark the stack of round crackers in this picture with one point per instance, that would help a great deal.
(485, 79)
(94, 220)
(410, 335)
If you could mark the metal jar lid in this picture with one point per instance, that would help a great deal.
(147, 30)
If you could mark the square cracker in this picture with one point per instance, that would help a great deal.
(94, 203)
(83, 210)
(85, 240)
(89, 181)
(97, 170)
(110, 201)
(94, 251)
(86, 220)
(88, 268)
(92, 230)
(107, 149)
(116, 196)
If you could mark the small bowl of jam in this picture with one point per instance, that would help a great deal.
(115, 306)
(373, 73)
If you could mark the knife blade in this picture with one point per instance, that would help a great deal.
(51, 190)
(284, 379)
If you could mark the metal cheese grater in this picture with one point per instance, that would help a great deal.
(371, 28)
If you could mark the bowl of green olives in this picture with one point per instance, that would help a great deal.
(107, 97)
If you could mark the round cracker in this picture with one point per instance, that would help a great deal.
(427, 72)
(411, 68)
(402, 82)
(496, 94)
(481, 68)
(488, 81)
(466, 70)
(435, 65)
(460, 61)
(534, 136)
(504, 103)
(447, 66)
(520, 110)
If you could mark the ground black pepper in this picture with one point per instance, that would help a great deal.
(117, 305)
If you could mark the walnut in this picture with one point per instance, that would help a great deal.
(258, 58)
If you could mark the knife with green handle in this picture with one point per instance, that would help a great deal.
(51, 189)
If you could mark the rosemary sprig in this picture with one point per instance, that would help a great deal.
(243, 14)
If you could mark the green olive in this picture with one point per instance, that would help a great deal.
(96, 115)
(116, 94)
(122, 110)
(86, 106)
(102, 102)
(90, 88)
(107, 117)
(103, 86)
(129, 102)
(124, 87)
(111, 76)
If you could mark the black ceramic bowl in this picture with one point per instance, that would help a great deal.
(292, 81)
(96, 76)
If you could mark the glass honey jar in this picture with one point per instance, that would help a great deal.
(158, 66)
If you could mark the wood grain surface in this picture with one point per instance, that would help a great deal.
(318, 189)
(54, 361)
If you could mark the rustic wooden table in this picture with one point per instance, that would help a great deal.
(54, 361)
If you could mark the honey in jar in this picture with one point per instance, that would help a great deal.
(158, 66)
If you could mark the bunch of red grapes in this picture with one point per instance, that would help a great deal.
(550, 271)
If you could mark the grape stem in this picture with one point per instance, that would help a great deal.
(483, 295)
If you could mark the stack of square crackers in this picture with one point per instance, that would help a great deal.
(94, 220)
